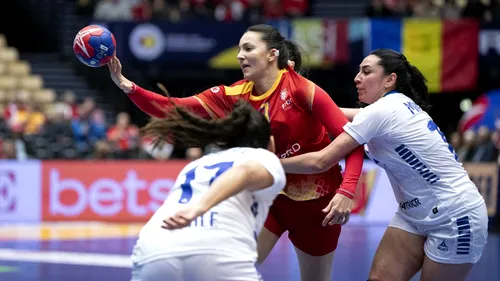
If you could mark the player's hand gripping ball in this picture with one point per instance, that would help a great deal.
(94, 45)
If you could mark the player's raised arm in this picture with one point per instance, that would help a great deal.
(150, 102)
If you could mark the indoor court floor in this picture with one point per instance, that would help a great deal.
(99, 251)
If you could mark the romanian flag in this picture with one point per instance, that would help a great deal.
(446, 52)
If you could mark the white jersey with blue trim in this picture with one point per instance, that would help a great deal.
(429, 183)
(230, 228)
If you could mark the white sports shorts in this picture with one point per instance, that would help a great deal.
(457, 241)
(196, 268)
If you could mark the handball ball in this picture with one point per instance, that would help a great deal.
(94, 45)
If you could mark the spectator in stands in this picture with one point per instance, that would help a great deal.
(9, 150)
(495, 139)
(14, 146)
(485, 150)
(167, 151)
(185, 8)
(253, 13)
(35, 119)
(23, 150)
(272, 9)
(295, 8)
(113, 10)
(85, 132)
(161, 152)
(450, 10)
(123, 137)
(101, 151)
(81, 129)
(200, 8)
(161, 10)
(70, 105)
(406, 8)
(15, 114)
(58, 127)
(378, 9)
(229, 10)
(142, 11)
(98, 125)
(455, 140)
(466, 150)
(426, 9)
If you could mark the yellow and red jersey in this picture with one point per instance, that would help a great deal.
(301, 116)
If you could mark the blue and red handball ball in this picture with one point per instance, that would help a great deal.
(94, 45)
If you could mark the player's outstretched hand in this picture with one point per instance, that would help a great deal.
(115, 70)
(182, 218)
(338, 210)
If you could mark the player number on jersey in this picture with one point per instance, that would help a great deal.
(187, 189)
(433, 127)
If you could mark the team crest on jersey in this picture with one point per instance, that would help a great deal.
(215, 90)
(283, 94)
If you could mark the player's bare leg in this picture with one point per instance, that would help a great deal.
(315, 268)
(399, 256)
(434, 271)
(265, 244)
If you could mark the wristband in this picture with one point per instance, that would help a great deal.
(134, 87)
(346, 193)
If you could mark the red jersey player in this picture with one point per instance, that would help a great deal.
(301, 116)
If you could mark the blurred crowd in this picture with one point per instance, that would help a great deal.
(178, 10)
(71, 129)
(477, 145)
(486, 10)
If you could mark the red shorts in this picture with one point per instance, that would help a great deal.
(302, 220)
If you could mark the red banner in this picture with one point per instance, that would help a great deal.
(105, 191)
(460, 55)
(131, 191)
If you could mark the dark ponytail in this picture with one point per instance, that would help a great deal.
(410, 81)
(288, 50)
(418, 86)
(294, 54)
(243, 127)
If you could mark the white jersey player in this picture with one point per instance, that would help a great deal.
(430, 185)
(207, 227)
(441, 226)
